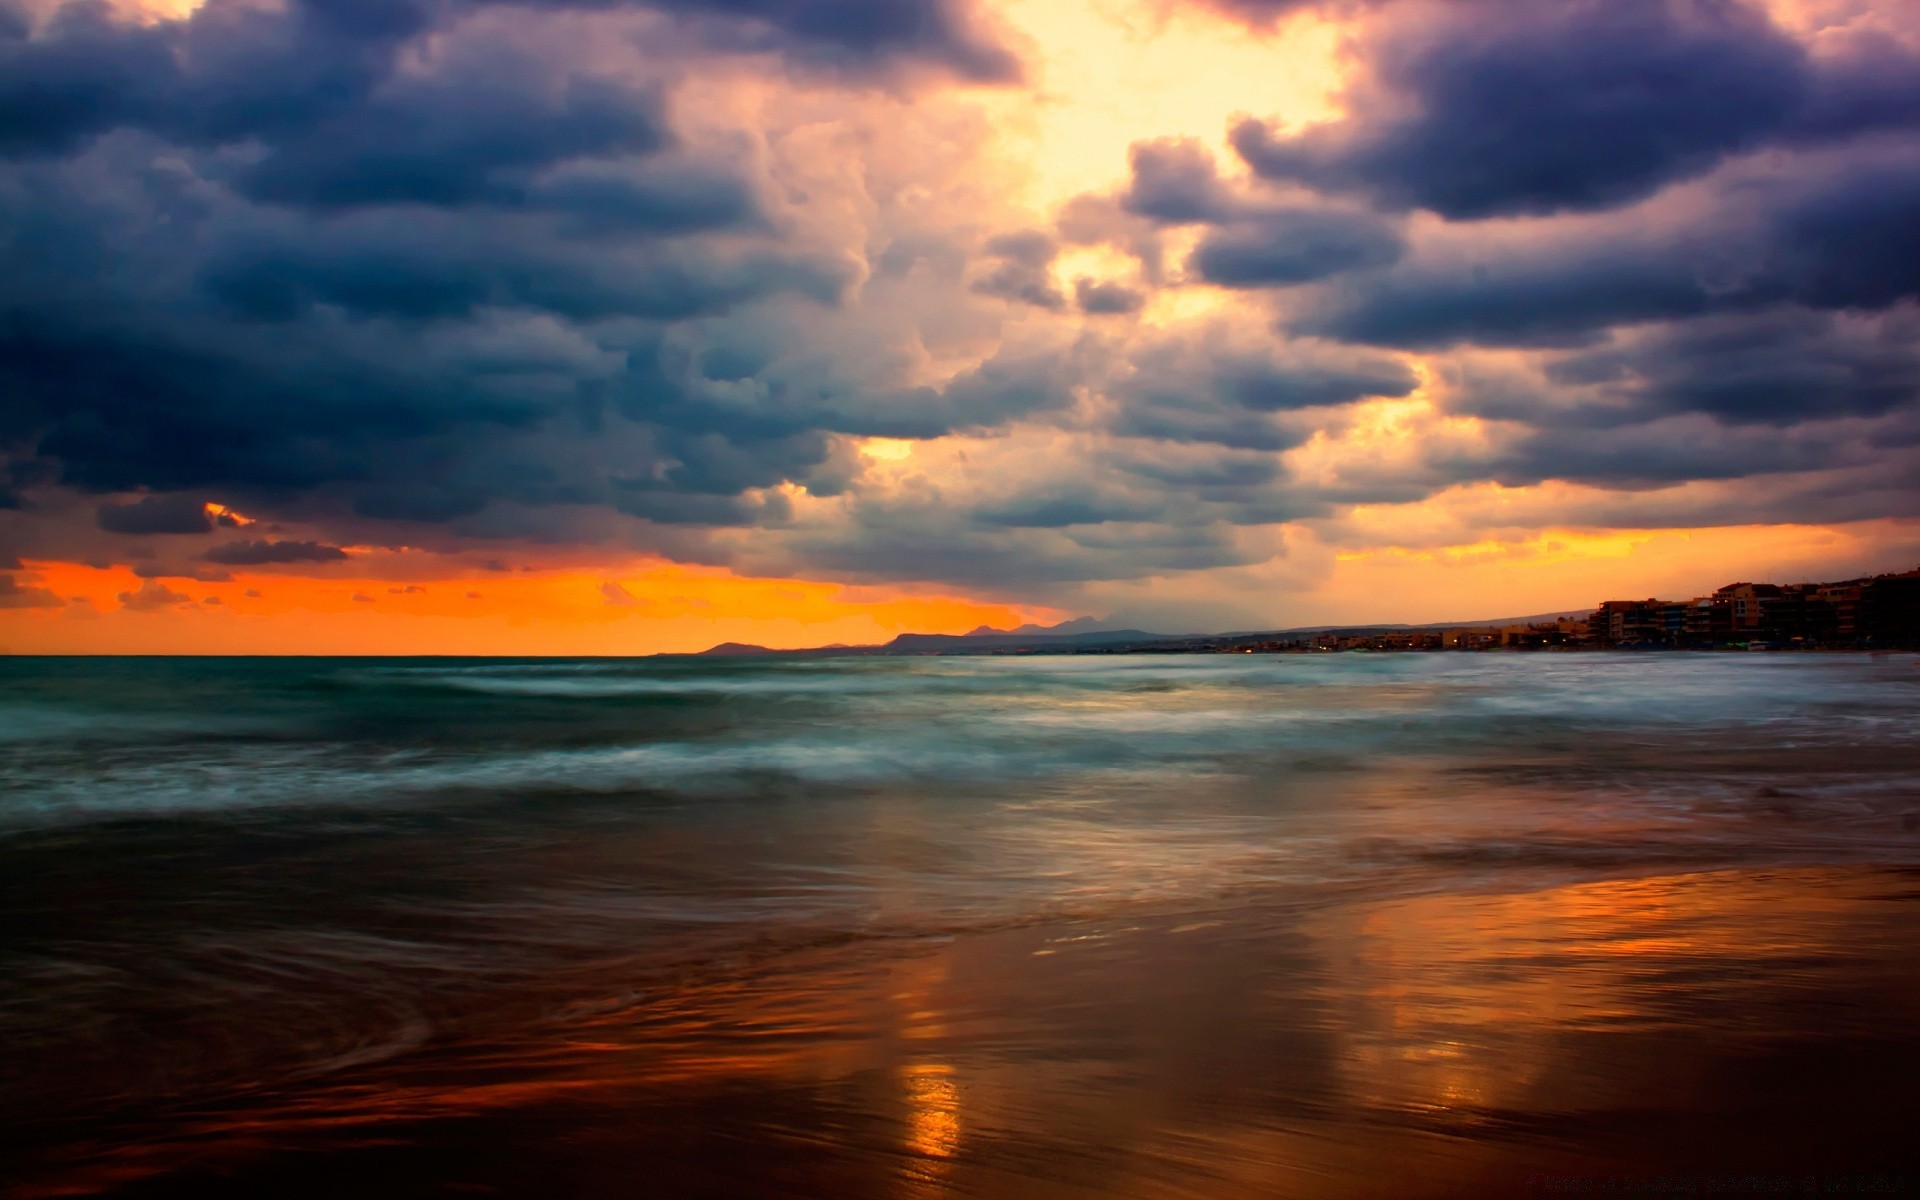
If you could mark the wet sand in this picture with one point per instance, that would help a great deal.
(1666, 1031)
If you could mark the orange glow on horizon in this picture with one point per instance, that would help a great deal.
(649, 608)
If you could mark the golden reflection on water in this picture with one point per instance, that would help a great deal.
(1254, 1053)
(1463, 1004)
(933, 1109)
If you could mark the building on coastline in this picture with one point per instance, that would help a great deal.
(1879, 611)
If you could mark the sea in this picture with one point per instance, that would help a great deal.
(1213, 926)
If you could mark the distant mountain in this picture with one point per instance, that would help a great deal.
(1086, 634)
(968, 643)
(736, 649)
(1063, 629)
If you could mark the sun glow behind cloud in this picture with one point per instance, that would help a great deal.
(1110, 72)
(911, 384)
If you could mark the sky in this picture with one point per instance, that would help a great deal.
(630, 326)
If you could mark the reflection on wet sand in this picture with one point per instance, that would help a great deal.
(1447, 1044)
(1350, 926)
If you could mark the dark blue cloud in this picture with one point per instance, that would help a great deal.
(1854, 240)
(658, 198)
(1059, 506)
(1020, 270)
(952, 544)
(1486, 110)
(1175, 180)
(1558, 301)
(265, 552)
(228, 72)
(1780, 367)
(156, 514)
(1239, 397)
(1837, 232)
(1105, 298)
(1722, 397)
(860, 33)
(406, 266)
(355, 390)
(474, 133)
(348, 262)
(233, 70)
(1657, 455)
(83, 74)
(1284, 246)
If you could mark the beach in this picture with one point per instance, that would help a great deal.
(1338, 926)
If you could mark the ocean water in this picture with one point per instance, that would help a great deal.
(1340, 925)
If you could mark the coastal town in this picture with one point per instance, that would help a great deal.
(1877, 612)
(1874, 612)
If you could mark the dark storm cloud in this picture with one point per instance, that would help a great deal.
(1057, 507)
(156, 514)
(1262, 12)
(1194, 391)
(471, 133)
(659, 198)
(1480, 110)
(387, 292)
(1176, 181)
(1775, 368)
(1820, 497)
(1286, 246)
(454, 264)
(1854, 240)
(407, 266)
(262, 553)
(1866, 79)
(84, 73)
(1739, 396)
(1105, 298)
(121, 410)
(861, 33)
(308, 70)
(1664, 452)
(1835, 231)
(230, 71)
(948, 545)
(1555, 299)
(1020, 270)
(1249, 239)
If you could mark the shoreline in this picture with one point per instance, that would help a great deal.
(869, 1068)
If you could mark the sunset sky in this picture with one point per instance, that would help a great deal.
(623, 326)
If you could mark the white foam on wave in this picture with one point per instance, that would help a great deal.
(940, 722)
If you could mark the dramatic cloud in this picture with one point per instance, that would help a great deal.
(1098, 298)
(1175, 180)
(1294, 245)
(1847, 237)
(156, 514)
(1582, 105)
(1214, 387)
(1778, 367)
(1022, 270)
(852, 290)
